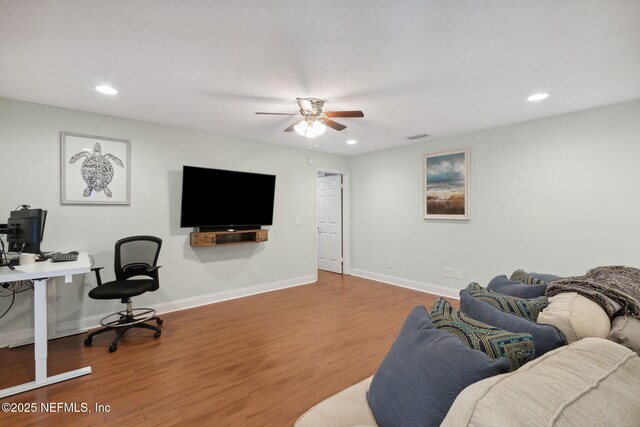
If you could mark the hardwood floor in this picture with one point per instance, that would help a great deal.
(256, 361)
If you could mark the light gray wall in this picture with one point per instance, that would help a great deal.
(553, 195)
(557, 195)
(30, 171)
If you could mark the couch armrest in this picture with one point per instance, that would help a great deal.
(348, 408)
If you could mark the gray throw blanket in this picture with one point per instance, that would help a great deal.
(616, 289)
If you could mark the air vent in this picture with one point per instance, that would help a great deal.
(422, 135)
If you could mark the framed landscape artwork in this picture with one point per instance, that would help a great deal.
(94, 170)
(446, 185)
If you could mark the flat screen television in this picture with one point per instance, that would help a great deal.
(217, 199)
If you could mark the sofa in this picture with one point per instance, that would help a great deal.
(427, 378)
(592, 381)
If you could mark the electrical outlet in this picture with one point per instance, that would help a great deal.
(256, 271)
(389, 263)
(458, 273)
(448, 272)
(297, 220)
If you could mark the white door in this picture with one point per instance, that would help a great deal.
(330, 223)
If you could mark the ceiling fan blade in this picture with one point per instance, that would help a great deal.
(290, 128)
(344, 113)
(278, 114)
(334, 125)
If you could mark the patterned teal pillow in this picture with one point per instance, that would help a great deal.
(495, 342)
(529, 308)
(526, 278)
(533, 278)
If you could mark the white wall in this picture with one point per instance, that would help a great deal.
(30, 171)
(553, 195)
(556, 195)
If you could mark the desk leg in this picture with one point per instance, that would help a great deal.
(40, 344)
(40, 328)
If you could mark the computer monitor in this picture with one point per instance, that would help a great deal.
(27, 230)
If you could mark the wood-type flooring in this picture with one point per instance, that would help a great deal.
(262, 360)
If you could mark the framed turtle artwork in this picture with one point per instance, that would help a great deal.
(94, 170)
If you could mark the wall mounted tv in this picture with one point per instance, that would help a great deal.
(216, 199)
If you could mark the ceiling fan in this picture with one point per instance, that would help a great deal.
(314, 121)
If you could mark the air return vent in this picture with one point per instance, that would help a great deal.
(421, 135)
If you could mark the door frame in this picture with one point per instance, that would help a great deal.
(346, 224)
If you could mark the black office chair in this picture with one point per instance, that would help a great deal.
(135, 256)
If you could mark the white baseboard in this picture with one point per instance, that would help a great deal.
(72, 327)
(15, 338)
(409, 284)
(25, 336)
(198, 301)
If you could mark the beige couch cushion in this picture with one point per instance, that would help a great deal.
(576, 316)
(590, 382)
(625, 330)
(348, 408)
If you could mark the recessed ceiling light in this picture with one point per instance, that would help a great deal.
(352, 142)
(107, 90)
(537, 97)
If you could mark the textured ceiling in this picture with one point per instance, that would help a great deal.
(439, 67)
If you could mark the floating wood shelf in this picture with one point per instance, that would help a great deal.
(217, 238)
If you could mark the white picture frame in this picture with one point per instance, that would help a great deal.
(445, 181)
(94, 170)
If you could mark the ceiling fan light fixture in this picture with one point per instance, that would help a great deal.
(301, 128)
(310, 129)
(319, 127)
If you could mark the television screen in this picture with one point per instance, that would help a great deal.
(219, 198)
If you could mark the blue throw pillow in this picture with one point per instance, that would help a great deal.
(533, 278)
(496, 342)
(525, 307)
(515, 288)
(423, 373)
(545, 337)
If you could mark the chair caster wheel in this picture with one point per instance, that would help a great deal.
(88, 341)
(156, 335)
(159, 321)
(112, 348)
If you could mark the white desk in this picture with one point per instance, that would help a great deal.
(40, 272)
